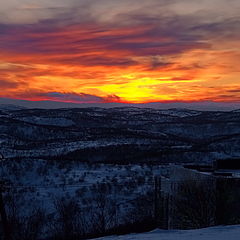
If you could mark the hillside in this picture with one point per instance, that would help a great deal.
(120, 134)
(95, 168)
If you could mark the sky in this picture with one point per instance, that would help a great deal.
(128, 51)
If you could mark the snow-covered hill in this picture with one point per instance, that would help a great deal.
(135, 134)
(214, 233)
(87, 158)
(11, 107)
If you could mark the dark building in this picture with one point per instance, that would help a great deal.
(198, 196)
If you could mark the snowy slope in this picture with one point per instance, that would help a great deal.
(137, 134)
(214, 233)
(11, 107)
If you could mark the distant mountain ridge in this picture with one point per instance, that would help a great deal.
(11, 107)
(124, 134)
(201, 105)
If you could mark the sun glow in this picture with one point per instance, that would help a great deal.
(143, 59)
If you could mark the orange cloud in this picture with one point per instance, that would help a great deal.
(136, 63)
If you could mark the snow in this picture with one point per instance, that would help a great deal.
(39, 182)
(178, 112)
(11, 107)
(213, 233)
(62, 122)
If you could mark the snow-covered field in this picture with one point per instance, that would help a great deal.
(39, 182)
(213, 233)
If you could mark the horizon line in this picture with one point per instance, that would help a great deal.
(196, 105)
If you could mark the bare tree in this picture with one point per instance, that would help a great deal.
(68, 222)
(193, 205)
(141, 209)
(25, 224)
(103, 212)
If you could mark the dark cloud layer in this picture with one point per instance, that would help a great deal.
(89, 44)
(68, 97)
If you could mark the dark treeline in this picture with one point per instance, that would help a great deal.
(193, 205)
(70, 220)
(133, 154)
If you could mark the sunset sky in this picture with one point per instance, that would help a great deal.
(127, 51)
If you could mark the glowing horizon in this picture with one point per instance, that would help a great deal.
(87, 51)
